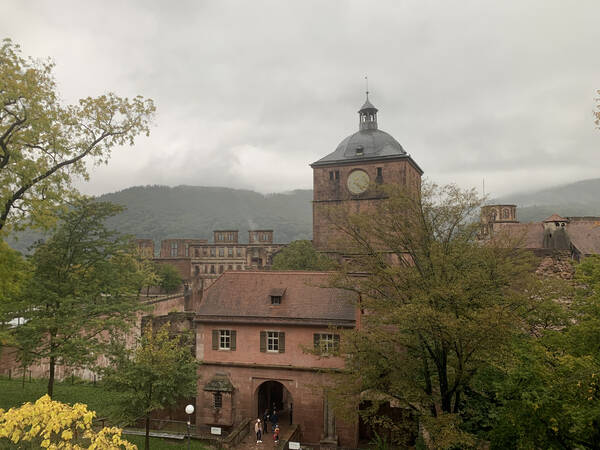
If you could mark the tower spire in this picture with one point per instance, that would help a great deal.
(367, 113)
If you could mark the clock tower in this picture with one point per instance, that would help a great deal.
(348, 177)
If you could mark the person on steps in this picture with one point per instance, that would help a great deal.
(258, 431)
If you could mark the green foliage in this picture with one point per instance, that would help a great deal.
(159, 372)
(548, 396)
(84, 287)
(161, 212)
(14, 393)
(169, 278)
(441, 305)
(165, 444)
(14, 272)
(301, 255)
(43, 143)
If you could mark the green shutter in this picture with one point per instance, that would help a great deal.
(215, 340)
(233, 333)
(317, 341)
(281, 342)
(336, 342)
(263, 341)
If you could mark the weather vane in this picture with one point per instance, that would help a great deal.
(367, 83)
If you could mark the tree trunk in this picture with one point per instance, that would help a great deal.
(442, 366)
(456, 401)
(147, 440)
(51, 377)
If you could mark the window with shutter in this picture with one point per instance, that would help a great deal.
(263, 341)
(272, 341)
(233, 339)
(215, 339)
(281, 342)
(224, 339)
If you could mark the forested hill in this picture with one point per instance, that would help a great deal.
(159, 212)
(581, 198)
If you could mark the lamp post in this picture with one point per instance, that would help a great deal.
(189, 409)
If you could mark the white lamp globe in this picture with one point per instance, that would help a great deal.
(189, 409)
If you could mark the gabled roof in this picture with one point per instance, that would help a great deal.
(245, 297)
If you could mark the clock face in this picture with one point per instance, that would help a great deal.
(358, 181)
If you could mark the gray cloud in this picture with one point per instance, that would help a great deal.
(249, 93)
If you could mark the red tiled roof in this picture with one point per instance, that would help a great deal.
(246, 295)
(555, 218)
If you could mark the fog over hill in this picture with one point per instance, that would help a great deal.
(159, 212)
(581, 198)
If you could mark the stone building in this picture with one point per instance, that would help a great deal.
(200, 262)
(348, 177)
(576, 237)
(253, 329)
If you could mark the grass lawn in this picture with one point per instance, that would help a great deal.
(160, 444)
(98, 399)
(13, 394)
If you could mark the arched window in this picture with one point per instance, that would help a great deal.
(505, 213)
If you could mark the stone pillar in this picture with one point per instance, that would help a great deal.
(329, 433)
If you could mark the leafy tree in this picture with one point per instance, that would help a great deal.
(160, 371)
(439, 305)
(549, 397)
(51, 424)
(301, 255)
(169, 278)
(14, 272)
(84, 287)
(43, 143)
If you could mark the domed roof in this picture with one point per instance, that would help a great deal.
(368, 143)
(365, 144)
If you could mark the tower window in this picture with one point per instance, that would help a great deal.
(337, 174)
(331, 175)
(379, 172)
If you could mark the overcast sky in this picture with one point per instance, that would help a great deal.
(250, 92)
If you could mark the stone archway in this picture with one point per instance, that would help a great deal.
(273, 395)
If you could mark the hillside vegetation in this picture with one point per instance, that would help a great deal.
(160, 212)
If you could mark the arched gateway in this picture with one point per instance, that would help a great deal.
(273, 395)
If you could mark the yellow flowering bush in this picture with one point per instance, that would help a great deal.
(56, 425)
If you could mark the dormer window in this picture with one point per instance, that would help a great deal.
(359, 151)
(276, 295)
